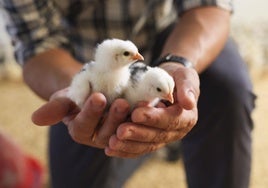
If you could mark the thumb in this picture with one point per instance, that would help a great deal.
(53, 111)
(187, 99)
(186, 83)
(188, 89)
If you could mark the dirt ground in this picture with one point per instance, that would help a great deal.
(18, 102)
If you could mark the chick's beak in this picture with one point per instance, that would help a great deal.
(138, 56)
(170, 98)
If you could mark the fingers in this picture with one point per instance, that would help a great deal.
(186, 83)
(117, 114)
(146, 134)
(165, 129)
(92, 110)
(82, 127)
(187, 87)
(53, 111)
(162, 118)
(93, 126)
(129, 149)
(133, 139)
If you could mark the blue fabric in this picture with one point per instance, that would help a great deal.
(217, 152)
(75, 165)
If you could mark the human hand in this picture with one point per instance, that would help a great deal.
(91, 125)
(152, 128)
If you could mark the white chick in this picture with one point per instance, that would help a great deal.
(149, 84)
(109, 74)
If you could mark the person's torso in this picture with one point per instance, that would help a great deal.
(90, 21)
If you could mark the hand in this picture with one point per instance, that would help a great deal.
(90, 125)
(152, 128)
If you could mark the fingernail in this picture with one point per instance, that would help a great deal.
(191, 96)
(98, 105)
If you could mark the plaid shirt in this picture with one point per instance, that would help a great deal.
(77, 25)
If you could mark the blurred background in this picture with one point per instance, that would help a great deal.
(250, 30)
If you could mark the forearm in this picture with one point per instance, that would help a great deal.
(50, 71)
(199, 36)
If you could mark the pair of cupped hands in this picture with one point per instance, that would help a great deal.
(118, 131)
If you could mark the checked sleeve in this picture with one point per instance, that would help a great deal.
(34, 26)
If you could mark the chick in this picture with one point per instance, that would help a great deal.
(108, 74)
(148, 84)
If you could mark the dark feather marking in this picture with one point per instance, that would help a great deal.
(83, 69)
(86, 66)
(90, 87)
(137, 69)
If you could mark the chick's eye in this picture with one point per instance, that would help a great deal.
(158, 89)
(126, 53)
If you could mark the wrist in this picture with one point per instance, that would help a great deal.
(171, 67)
(174, 59)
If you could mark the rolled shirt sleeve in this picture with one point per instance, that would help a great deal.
(184, 5)
(34, 26)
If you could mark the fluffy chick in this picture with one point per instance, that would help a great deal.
(149, 84)
(108, 74)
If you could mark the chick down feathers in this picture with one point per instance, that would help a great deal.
(108, 74)
(149, 84)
